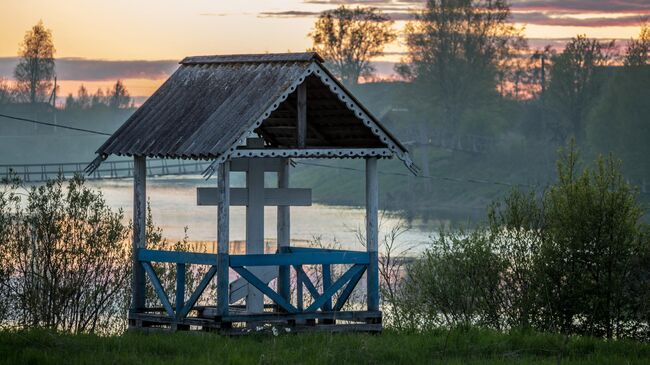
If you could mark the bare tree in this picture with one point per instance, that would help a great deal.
(349, 38)
(35, 70)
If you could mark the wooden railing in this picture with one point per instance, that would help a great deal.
(292, 257)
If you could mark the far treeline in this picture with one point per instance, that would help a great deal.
(480, 110)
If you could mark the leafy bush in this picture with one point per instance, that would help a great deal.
(64, 261)
(573, 259)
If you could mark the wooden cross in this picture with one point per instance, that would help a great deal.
(255, 196)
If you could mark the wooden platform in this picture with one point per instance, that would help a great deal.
(241, 323)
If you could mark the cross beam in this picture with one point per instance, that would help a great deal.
(272, 196)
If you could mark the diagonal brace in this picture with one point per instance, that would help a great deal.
(348, 290)
(158, 287)
(259, 284)
(305, 279)
(197, 292)
(329, 292)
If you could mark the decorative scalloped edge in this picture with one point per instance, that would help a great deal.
(342, 152)
(314, 68)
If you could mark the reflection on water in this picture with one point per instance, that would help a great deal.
(174, 207)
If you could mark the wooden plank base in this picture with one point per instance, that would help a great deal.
(242, 323)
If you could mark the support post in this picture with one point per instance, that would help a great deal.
(284, 233)
(223, 237)
(372, 232)
(302, 114)
(255, 222)
(139, 230)
(300, 299)
(179, 303)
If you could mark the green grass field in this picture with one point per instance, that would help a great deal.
(442, 347)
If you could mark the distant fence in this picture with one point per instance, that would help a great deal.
(107, 170)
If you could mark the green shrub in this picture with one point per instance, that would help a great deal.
(573, 259)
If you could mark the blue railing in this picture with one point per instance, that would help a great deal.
(294, 257)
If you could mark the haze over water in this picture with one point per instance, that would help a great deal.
(174, 208)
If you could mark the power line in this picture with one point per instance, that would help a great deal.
(445, 178)
(54, 125)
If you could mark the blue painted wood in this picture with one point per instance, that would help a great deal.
(177, 257)
(180, 288)
(327, 282)
(345, 294)
(197, 292)
(300, 298)
(304, 278)
(373, 281)
(300, 258)
(284, 278)
(223, 287)
(327, 294)
(317, 249)
(158, 288)
(259, 284)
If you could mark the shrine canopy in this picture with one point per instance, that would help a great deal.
(211, 104)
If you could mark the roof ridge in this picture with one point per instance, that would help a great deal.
(253, 58)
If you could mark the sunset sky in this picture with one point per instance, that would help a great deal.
(98, 42)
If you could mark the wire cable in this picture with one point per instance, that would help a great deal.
(63, 126)
(446, 178)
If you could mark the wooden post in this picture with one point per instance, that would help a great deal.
(302, 114)
(139, 230)
(223, 237)
(255, 223)
(284, 233)
(180, 288)
(372, 232)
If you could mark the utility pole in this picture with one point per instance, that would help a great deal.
(54, 103)
(543, 57)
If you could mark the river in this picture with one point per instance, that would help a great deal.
(173, 204)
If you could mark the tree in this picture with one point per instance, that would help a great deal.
(590, 243)
(638, 50)
(6, 92)
(83, 98)
(35, 70)
(576, 80)
(618, 123)
(455, 51)
(118, 97)
(349, 38)
(70, 102)
(99, 98)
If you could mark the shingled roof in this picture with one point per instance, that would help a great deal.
(207, 108)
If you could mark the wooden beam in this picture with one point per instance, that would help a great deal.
(302, 114)
(372, 232)
(160, 291)
(254, 221)
(272, 196)
(311, 128)
(139, 231)
(241, 164)
(239, 287)
(284, 231)
(223, 237)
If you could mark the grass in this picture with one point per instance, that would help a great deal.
(455, 347)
